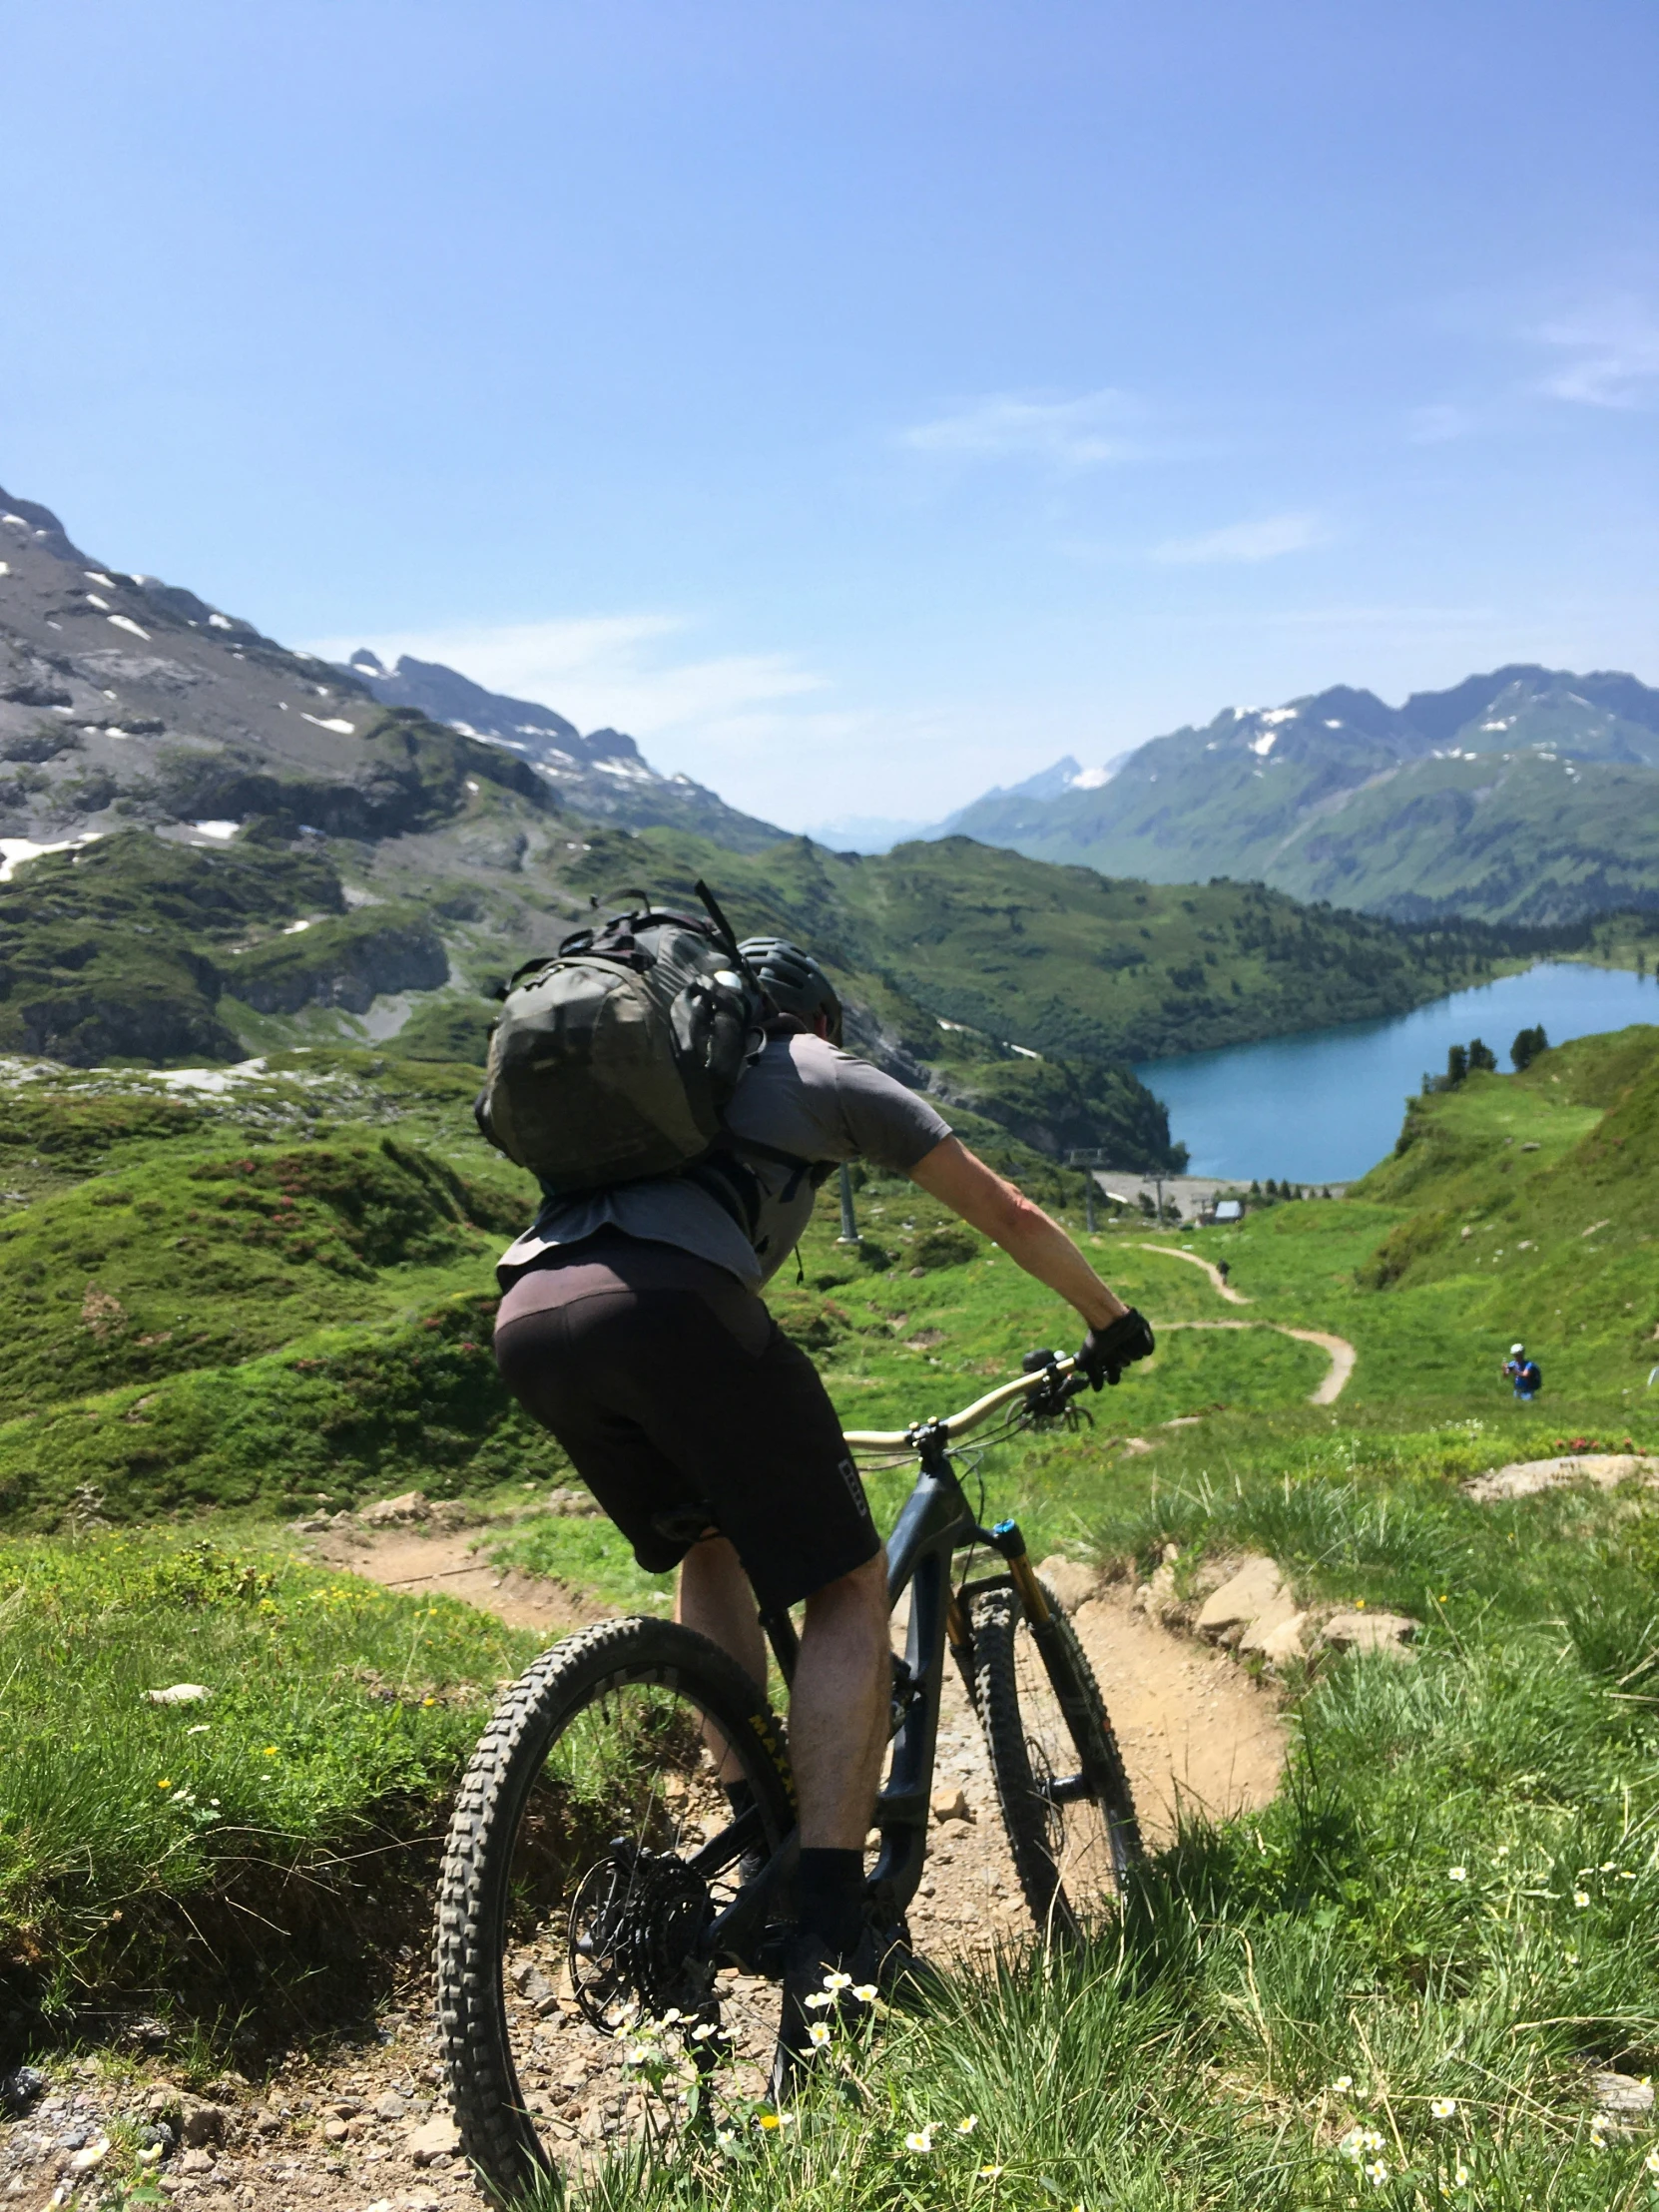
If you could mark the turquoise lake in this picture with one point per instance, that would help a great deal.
(1325, 1106)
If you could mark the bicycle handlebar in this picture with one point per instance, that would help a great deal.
(958, 1425)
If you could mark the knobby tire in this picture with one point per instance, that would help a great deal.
(1060, 1907)
(499, 2136)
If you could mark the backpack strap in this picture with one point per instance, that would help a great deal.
(734, 1187)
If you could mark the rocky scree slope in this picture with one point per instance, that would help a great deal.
(1528, 795)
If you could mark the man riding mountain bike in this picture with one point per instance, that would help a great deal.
(631, 1326)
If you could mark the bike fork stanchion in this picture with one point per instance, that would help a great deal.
(1011, 1544)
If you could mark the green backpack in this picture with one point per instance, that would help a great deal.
(616, 1058)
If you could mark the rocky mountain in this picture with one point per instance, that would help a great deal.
(602, 773)
(1528, 795)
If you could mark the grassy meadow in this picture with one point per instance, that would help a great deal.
(1452, 1903)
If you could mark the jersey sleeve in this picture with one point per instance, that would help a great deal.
(883, 1121)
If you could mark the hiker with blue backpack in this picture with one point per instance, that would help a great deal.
(1525, 1372)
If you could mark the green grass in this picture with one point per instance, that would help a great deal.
(338, 1713)
(1192, 2061)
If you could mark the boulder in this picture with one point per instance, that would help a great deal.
(1070, 1580)
(411, 1505)
(180, 1693)
(203, 2123)
(437, 2137)
(1158, 1597)
(1281, 1643)
(1527, 1477)
(1254, 1592)
(949, 1805)
(1622, 2097)
(1368, 1631)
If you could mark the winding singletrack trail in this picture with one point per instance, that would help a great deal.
(1173, 1252)
(1337, 1350)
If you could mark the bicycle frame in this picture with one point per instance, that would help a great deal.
(934, 1523)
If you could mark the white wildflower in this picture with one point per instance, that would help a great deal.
(1444, 2107)
(1457, 1874)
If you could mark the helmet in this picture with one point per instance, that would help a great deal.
(1516, 1350)
(793, 981)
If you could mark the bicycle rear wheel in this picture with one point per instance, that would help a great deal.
(1060, 1781)
(592, 1840)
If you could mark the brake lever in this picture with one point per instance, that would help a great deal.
(1051, 1399)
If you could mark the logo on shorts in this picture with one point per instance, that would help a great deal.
(854, 1489)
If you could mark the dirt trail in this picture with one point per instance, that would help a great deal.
(1342, 1356)
(1341, 1353)
(365, 2130)
(1193, 1727)
(422, 1564)
(1173, 1252)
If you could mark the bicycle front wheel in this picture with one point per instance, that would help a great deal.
(597, 1828)
(1060, 1781)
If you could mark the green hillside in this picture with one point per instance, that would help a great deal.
(1079, 965)
(1536, 1200)
(1013, 990)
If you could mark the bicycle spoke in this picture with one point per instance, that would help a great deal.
(627, 1846)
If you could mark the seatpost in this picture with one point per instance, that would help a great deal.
(779, 1633)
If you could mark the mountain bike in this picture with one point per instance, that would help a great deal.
(623, 1841)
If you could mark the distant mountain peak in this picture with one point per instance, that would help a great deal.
(1526, 794)
(602, 773)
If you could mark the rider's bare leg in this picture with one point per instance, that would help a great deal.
(839, 1708)
(842, 1682)
(715, 1598)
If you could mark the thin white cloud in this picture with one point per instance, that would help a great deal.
(1244, 541)
(1437, 425)
(601, 669)
(1087, 432)
(1609, 356)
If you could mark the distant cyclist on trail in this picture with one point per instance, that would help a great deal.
(1525, 1372)
(632, 1328)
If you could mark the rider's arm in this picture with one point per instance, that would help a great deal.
(952, 1174)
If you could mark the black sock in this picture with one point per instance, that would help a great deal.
(830, 1898)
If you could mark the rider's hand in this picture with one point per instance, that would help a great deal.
(1107, 1352)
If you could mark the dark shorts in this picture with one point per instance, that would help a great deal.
(684, 1407)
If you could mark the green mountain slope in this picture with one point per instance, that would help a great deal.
(1066, 961)
(1529, 795)
(1011, 989)
(1535, 1198)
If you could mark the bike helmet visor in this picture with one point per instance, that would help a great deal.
(795, 982)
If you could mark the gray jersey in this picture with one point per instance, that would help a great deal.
(802, 1098)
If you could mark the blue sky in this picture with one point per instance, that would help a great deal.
(862, 404)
